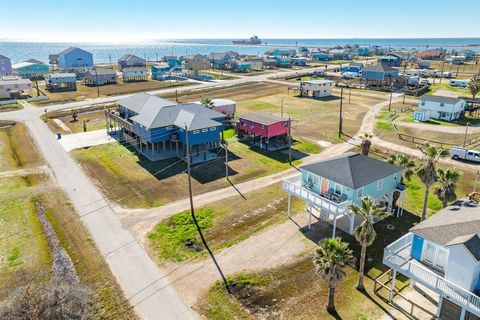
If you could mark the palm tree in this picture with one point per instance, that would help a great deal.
(427, 171)
(365, 233)
(366, 143)
(207, 102)
(404, 162)
(447, 180)
(331, 257)
(474, 85)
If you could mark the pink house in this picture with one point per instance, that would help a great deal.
(265, 130)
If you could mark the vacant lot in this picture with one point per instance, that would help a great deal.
(294, 291)
(86, 92)
(223, 223)
(134, 181)
(444, 89)
(17, 151)
(10, 107)
(24, 254)
(94, 120)
(314, 120)
(239, 92)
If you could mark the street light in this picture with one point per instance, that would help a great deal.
(340, 118)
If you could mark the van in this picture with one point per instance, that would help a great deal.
(458, 83)
(457, 153)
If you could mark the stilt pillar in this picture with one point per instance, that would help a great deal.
(288, 205)
(392, 286)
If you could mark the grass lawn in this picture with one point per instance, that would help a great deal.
(17, 150)
(24, 254)
(223, 223)
(120, 172)
(86, 92)
(446, 89)
(314, 120)
(10, 107)
(293, 291)
(465, 71)
(95, 120)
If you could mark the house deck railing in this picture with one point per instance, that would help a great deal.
(405, 264)
(115, 117)
(294, 187)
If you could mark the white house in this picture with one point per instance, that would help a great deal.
(134, 74)
(439, 107)
(442, 253)
(316, 88)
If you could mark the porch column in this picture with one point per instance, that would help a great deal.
(309, 217)
(439, 307)
(334, 224)
(392, 287)
(390, 199)
(164, 146)
(462, 314)
(288, 205)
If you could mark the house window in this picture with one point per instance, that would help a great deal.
(434, 255)
(380, 184)
(263, 126)
(205, 130)
(312, 179)
(442, 104)
(252, 125)
(360, 193)
(213, 129)
(243, 122)
(196, 131)
(285, 124)
(338, 188)
(423, 103)
(169, 128)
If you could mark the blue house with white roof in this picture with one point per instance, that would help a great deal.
(328, 187)
(442, 253)
(158, 128)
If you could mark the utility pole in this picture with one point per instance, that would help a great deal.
(476, 181)
(193, 212)
(441, 72)
(340, 120)
(290, 141)
(96, 84)
(390, 103)
(466, 133)
(282, 108)
(176, 95)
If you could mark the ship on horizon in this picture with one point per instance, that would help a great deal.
(252, 40)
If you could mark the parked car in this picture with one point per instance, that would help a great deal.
(458, 83)
(465, 154)
(318, 73)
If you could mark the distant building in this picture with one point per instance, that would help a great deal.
(131, 60)
(31, 69)
(300, 61)
(431, 54)
(75, 60)
(322, 56)
(379, 72)
(220, 60)
(303, 52)
(134, 74)
(158, 128)
(100, 77)
(363, 51)
(442, 253)
(424, 64)
(256, 63)
(392, 59)
(286, 53)
(241, 66)
(282, 62)
(196, 63)
(264, 130)
(316, 88)
(353, 67)
(269, 63)
(159, 72)
(61, 82)
(468, 54)
(439, 107)
(13, 88)
(225, 106)
(5, 65)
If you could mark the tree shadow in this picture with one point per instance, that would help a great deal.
(334, 314)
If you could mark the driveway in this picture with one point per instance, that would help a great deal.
(85, 139)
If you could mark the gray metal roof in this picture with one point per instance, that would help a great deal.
(456, 224)
(140, 101)
(154, 112)
(433, 98)
(262, 118)
(380, 67)
(352, 170)
(134, 69)
(128, 56)
(2, 57)
(102, 72)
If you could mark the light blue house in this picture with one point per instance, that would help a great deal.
(329, 186)
(363, 51)
(321, 56)
(158, 128)
(159, 72)
(241, 66)
(300, 61)
(61, 82)
(284, 62)
(286, 53)
(31, 69)
(75, 60)
(353, 67)
(442, 253)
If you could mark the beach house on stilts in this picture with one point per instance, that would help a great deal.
(328, 187)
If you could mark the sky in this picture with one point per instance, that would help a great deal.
(120, 20)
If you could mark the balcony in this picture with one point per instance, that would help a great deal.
(118, 119)
(295, 187)
(397, 256)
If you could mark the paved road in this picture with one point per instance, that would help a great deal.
(139, 277)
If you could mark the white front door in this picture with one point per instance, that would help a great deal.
(434, 255)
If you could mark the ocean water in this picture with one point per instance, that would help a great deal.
(154, 50)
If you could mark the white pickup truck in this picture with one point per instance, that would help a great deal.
(465, 154)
